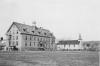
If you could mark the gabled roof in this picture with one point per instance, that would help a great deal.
(68, 42)
(33, 30)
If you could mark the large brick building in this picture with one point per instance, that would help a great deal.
(25, 37)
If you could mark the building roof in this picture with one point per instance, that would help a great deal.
(91, 42)
(33, 30)
(62, 42)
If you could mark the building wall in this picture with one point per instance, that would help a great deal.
(31, 41)
(72, 46)
(23, 41)
(68, 47)
(60, 47)
(15, 39)
(91, 45)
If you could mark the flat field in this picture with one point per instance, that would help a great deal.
(49, 58)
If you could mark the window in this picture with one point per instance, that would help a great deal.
(30, 37)
(37, 38)
(49, 39)
(41, 39)
(44, 33)
(74, 45)
(24, 29)
(13, 38)
(39, 32)
(51, 34)
(16, 37)
(88, 45)
(25, 44)
(26, 38)
(32, 31)
(17, 43)
(34, 38)
(30, 43)
(34, 43)
(45, 45)
(9, 44)
(17, 31)
(13, 43)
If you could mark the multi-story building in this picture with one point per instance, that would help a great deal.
(25, 37)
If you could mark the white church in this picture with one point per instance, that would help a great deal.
(70, 44)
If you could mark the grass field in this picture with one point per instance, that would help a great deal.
(47, 58)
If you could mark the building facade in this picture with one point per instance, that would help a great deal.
(70, 44)
(25, 37)
(91, 45)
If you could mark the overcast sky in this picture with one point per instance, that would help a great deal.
(65, 18)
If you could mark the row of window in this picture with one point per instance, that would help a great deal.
(14, 43)
(14, 32)
(25, 30)
(31, 43)
(72, 45)
(14, 37)
(36, 38)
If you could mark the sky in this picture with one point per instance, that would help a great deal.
(64, 18)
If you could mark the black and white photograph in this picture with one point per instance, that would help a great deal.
(49, 32)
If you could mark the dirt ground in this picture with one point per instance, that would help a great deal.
(49, 58)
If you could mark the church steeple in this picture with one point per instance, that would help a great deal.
(80, 38)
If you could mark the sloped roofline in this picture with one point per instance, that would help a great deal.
(20, 27)
(11, 26)
(68, 42)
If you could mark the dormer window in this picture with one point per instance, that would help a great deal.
(39, 32)
(32, 31)
(24, 29)
(44, 33)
